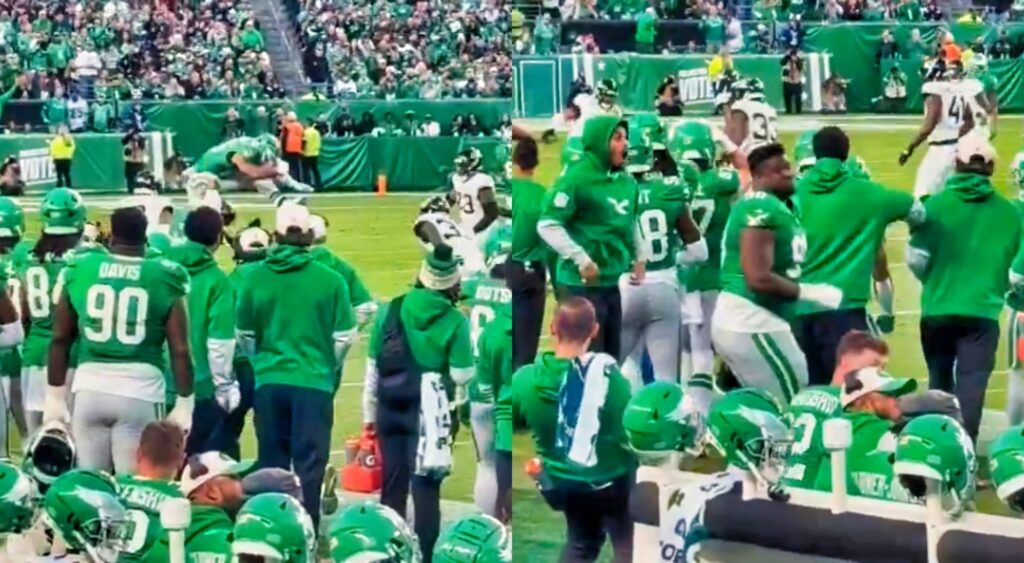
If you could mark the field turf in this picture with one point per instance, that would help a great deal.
(540, 532)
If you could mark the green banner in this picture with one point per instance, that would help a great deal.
(199, 125)
(351, 164)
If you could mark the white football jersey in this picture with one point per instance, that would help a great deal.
(590, 107)
(467, 191)
(957, 98)
(462, 244)
(762, 123)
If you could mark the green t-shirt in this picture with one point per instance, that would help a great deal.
(527, 197)
(714, 30)
(845, 220)
(808, 410)
(763, 210)
(971, 235)
(102, 117)
(143, 498)
(535, 400)
(494, 375)
(122, 303)
(486, 298)
(661, 200)
(710, 204)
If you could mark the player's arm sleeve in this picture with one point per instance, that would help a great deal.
(245, 324)
(220, 340)
(558, 208)
(460, 358)
(918, 253)
(372, 375)
(345, 328)
(362, 301)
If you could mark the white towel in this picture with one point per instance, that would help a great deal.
(681, 528)
(580, 401)
(434, 450)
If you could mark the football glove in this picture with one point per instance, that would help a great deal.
(828, 296)
(181, 414)
(228, 396)
(905, 156)
(55, 406)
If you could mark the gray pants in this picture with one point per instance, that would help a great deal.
(107, 429)
(650, 320)
(696, 352)
(485, 488)
(772, 361)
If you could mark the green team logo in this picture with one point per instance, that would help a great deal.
(695, 86)
(36, 166)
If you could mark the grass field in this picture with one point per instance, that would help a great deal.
(374, 234)
(878, 140)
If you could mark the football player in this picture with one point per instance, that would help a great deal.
(119, 309)
(475, 538)
(948, 106)
(362, 300)
(1015, 301)
(273, 528)
(1006, 466)
(986, 111)
(211, 482)
(474, 192)
(14, 251)
(489, 299)
(750, 122)
(713, 189)
(762, 250)
(434, 226)
(588, 105)
(84, 511)
(650, 314)
(240, 163)
(62, 215)
(160, 455)
(369, 531)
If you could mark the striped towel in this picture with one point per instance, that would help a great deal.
(580, 401)
(434, 449)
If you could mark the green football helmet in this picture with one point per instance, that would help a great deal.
(370, 531)
(650, 125)
(935, 446)
(83, 507)
(18, 500)
(265, 149)
(274, 526)
(498, 245)
(640, 155)
(656, 423)
(747, 427)
(474, 539)
(12, 219)
(62, 212)
(607, 91)
(1017, 173)
(693, 141)
(803, 152)
(690, 173)
(1006, 465)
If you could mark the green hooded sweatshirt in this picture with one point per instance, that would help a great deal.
(597, 207)
(295, 311)
(534, 398)
(357, 290)
(211, 314)
(437, 331)
(844, 218)
(970, 238)
(208, 537)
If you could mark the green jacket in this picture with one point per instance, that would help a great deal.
(357, 291)
(844, 218)
(596, 204)
(211, 314)
(963, 252)
(296, 316)
(534, 399)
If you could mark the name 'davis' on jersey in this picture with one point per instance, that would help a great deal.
(694, 86)
(122, 271)
(36, 166)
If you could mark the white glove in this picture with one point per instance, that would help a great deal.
(828, 296)
(181, 414)
(55, 406)
(228, 396)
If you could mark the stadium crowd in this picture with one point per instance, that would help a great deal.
(428, 50)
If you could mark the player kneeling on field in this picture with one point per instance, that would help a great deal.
(370, 531)
(478, 538)
(1006, 465)
(273, 528)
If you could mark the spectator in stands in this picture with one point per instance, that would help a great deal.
(888, 49)
(134, 157)
(367, 124)
(234, 125)
(62, 151)
(134, 119)
(916, 49)
(932, 11)
(86, 66)
(833, 11)
(344, 124)
(458, 127)
(668, 103)
(853, 11)
(543, 36)
(733, 32)
(762, 39)
(103, 116)
(291, 144)
(430, 127)
(645, 31)
(1002, 48)
(311, 138)
(713, 28)
(316, 64)
(250, 39)
(472, 127)
(894, 91)
(909, 11)
(55, 110)
(792, 36)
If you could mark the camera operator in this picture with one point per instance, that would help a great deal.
(792, 80)
(668, 102)
(134, 157)
(11, 183)
(833, 91)
(894, 91)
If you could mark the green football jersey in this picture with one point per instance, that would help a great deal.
(143, 498)
(486, 298)
(494, 375)
(808, 410)
(763, 210)
(122, 304)
(217, 160)
(710, 205)
(868, 466)
(40, 285)
(662, 199)
(208, 537)
(10, 264)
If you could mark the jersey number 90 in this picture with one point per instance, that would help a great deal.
(116, 313)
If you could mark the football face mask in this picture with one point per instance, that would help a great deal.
(747, 428)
